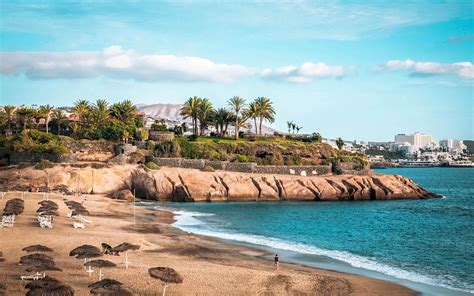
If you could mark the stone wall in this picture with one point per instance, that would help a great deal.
(247, 167)
(161, 136)
(34, 157)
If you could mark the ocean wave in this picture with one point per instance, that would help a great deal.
(187, 221)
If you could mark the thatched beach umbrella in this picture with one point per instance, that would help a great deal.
(43, 268)
(59, 290)
(37, 248)
(80, 212)
(105, 283)
(84, 249)
(32, 259)
(43, 283)
(100, 264)
(112, 291)
(125, 247)
(166, 276)
(92, 253)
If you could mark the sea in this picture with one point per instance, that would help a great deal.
(426, 245)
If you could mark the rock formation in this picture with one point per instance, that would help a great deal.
(173, 184)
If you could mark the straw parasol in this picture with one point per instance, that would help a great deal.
(58, 290)
(125, 247)
(100, 264)
(166, 275)
(43, 268)
(35, 257)
(88, 255)
(105, 283)
(84, 249)
(37, 248)
(112, 291)
(43, 283)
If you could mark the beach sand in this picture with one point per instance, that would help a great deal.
(209, 266)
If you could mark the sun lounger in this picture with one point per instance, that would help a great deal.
(78, 225)
(32, 277)
(45, 221)
(81, 219)
(8, 221)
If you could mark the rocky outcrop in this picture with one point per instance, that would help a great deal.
(172, 184)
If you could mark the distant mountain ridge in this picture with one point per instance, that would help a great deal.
(171, 113)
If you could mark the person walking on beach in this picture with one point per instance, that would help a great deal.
(277, 261)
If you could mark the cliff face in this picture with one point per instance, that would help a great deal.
(171, 184)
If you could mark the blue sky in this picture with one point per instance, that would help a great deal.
(354, 69)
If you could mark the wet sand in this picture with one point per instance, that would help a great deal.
(209, 266)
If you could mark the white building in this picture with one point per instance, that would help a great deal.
(453, 145)
(416, 140)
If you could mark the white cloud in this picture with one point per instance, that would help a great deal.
(461, 69)
(118, 63)
(305, 73)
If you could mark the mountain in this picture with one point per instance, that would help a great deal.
(170, 113)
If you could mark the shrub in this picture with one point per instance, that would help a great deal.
(296, 159)
(208, 169)
(217, 141)
(242, 158)
(141, 134)
(44, 164)
(188, 150)
(192, 138)
(152, 166)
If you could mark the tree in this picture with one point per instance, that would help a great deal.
(253, 112)
(204, 115)
(339, 143)
(45, 112)
(238, 107)
(124, 111)
(25, 115)
(289, 124)
(9, 115)
(74, 127)
(59, 119)
(265, 111)
(298, 128)
(100, 113)
(316, 137)
(190, 110)
(222, 118)
(159, 125)
(81, 109)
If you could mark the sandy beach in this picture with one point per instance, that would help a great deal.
(209, 266)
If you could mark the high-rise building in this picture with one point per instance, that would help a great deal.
(452, 144)
(416, 140)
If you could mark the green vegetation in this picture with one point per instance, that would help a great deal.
(36, 141)
(152, 165)
(339, 143)
(44, 164)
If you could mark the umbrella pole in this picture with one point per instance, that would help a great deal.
(126, 260)
(100, 274)
(164, 289)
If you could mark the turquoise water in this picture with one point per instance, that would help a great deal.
(421, 241)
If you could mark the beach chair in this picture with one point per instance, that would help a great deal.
(8, 221)
(45, 221)
(32, 277)
(78, 225)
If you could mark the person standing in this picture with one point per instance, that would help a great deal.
(277, 261)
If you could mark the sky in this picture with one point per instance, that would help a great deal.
(360, 70)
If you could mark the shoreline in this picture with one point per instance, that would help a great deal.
(325, 263)
(208, 266)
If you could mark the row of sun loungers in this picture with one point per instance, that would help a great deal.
(13, 207)
(76, 212)
(46, 211)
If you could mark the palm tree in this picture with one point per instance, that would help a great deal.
(59, 119)
(124, 111)
(293, 127)
(46, 111)
(298, 128)
(25, 115)
(265, 111)
(339, 143)
(204, 114)
(9, 114)
(100, 112)
(222, 119)
(190, 110)
(238, 107)
(289, 124)
(252, 112)
(74, 127)
(81, 109)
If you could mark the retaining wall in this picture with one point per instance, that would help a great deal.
(244, 167)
